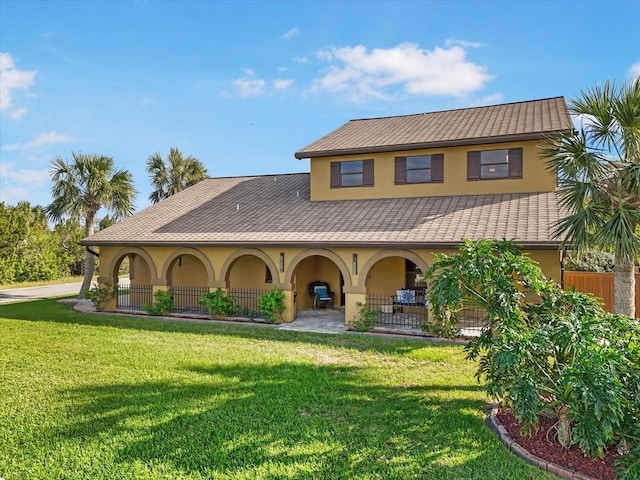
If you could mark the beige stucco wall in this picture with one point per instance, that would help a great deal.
(535, 176)
(379, 270)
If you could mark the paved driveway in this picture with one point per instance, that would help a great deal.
(32, 293)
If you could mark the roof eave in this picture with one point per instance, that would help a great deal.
(538, 245)
(301, 154)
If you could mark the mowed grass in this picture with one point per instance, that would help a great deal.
(97, 396)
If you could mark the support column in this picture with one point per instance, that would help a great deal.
(353, 296)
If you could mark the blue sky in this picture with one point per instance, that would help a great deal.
(242, 85)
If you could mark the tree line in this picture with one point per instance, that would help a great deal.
(31, 250)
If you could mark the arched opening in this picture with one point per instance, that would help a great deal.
(188, 278)
(317, 269)
(397, 290)
(248, 276)
(133, 273)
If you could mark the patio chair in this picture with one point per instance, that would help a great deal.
(322, 297)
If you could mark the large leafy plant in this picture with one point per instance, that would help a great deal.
(544, 350)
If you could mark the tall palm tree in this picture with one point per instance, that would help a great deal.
(174, 175)
(598, 169)
(81, 188)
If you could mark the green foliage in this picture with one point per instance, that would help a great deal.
(100, 294)
(174, 175)
(365, 319)
(83, 186)
(590, 261)
(162, 303)
(271, 304)
(562, 353)
(217, 303)
(598, 171)
(29, 250)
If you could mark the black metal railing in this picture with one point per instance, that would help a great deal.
(392, 312)
(246, 301)
(186, 299)
(131, 296)
(471, 321)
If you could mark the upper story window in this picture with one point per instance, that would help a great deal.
(355, 173)
(492, 164)
(419, 169)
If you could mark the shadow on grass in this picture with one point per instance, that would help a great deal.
(289, 420)
(50, 310)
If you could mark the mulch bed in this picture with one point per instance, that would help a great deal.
(543, 445)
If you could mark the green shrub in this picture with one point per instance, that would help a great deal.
(590, 261)
(365, 319)
(100, 294)
(562, 354)
(218, 304)
(271, 304)
(162, 304)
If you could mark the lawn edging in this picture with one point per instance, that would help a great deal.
(517, 449)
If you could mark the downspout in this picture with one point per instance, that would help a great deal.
(563, 254)
(92, 252)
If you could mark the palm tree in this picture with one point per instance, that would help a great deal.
(173, 176)
(598, 169)
(81, 188)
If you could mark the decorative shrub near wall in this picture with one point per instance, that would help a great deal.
(218, 304)
(561, 355)
(271, 304)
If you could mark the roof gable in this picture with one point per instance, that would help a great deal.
(497, 123)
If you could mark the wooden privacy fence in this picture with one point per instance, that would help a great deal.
(599, 284)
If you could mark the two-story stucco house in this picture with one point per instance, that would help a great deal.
(382, 197)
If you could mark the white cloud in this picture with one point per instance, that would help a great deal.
(363, 74)
(41, 140)
(30, 177)
(634, 70)
(491, 99)
(17, 113)
(452, 42)
(291, 33)
(12, 79)
(12, 196)
(301, 59)
(283, 83)
(249, 85)
(23, 184)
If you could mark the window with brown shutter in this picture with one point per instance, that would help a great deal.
(494, 164)
(419, 169)
(515, 163)
(473, 165)
(356, 173)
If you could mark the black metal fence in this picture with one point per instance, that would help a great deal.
(415, 314)
(246, 301)
(186, 299)
(133, 296)
(394, 313)
(471, 321)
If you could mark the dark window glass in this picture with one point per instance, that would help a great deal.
(419, 169)
(494, 164)
(351, 173)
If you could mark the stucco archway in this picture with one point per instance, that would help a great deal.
(407, 254)
(171, 259)
(320, 252)
(226, 266)
(123, 252)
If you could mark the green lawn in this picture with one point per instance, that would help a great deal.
(97, 396)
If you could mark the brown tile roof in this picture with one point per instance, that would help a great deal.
(275, 209)
(469, 126)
